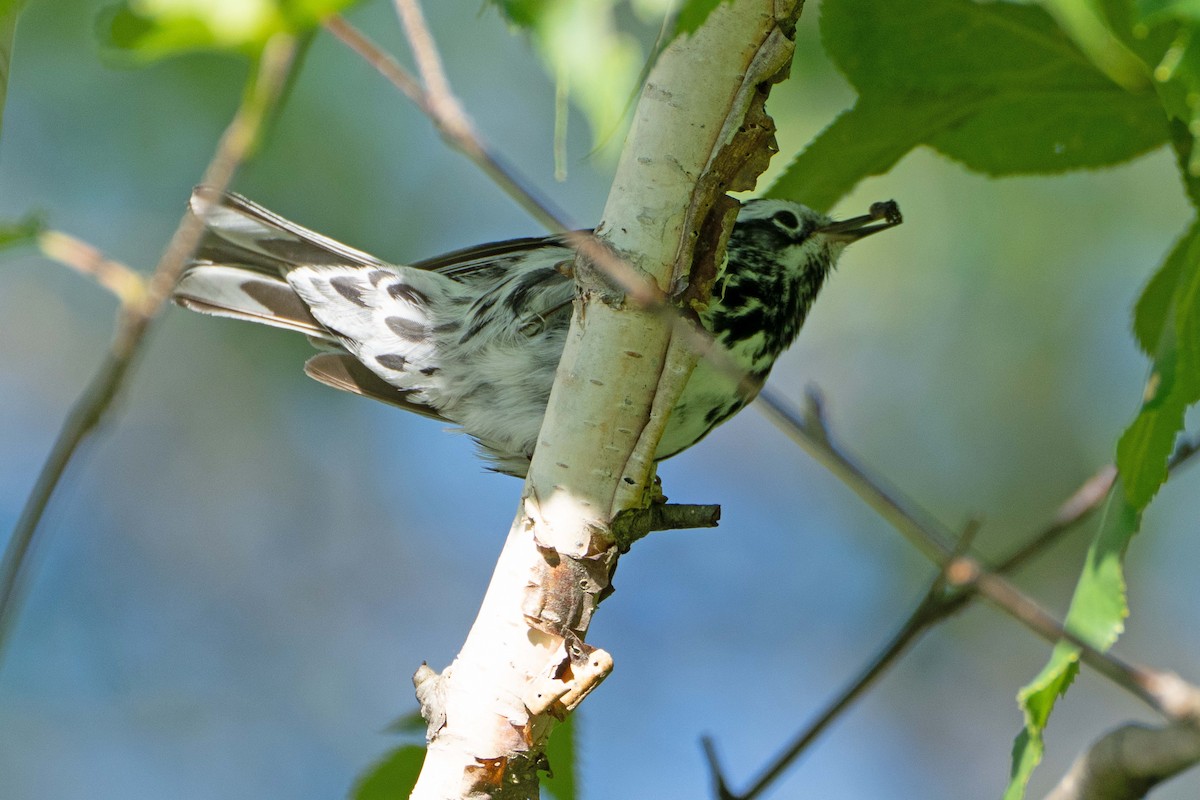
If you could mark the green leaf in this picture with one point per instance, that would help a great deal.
(1046, 130)
(1004, 91)
(995, 45)
(1167, 324)
(1096, 615)
(1145, 446)
(560, 753)
(143, 31)
(851, 148)
(392, 777)
(693, 13)
(23, 231)
(1165, 35)
(9, 11)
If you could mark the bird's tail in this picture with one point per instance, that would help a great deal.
(238, 269)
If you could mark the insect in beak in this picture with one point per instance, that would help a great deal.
(885, 213)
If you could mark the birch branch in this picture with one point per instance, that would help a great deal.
(697, 129)
(1126, 763)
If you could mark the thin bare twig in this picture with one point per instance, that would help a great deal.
(1166, 693)
(808, 429)
(135, 319)
(444, 110)
(932, 538)
(939, 603)
(458, 133)
(927, 612)
(127, 284)
(445, 105)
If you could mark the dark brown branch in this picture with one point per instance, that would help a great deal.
(636, 523)
(138, 311)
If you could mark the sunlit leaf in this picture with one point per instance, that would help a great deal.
(1167, 324)
(1165, 34)
(1096, 615)
(524, 13)
(142, 31)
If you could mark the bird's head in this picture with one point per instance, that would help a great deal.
(778, 256)
(802, 240)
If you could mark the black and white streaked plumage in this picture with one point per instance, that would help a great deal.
(474, 337)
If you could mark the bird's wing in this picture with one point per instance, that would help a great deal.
(345, 372)
(239, 268)
(238, 231)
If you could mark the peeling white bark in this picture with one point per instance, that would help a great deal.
(698, 132)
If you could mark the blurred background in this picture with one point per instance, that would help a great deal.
(238, 577)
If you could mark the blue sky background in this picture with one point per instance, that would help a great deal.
(237, 578)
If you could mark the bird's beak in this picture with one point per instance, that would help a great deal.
(883, 215)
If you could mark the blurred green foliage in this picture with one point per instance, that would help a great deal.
(9, 11)
(142, 31)
(22, 231)
(393, 776)
(588, 52)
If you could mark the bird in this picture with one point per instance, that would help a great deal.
(474, 337)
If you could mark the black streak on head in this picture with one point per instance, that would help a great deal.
(759, 294)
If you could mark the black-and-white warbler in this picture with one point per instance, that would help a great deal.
(474, 337)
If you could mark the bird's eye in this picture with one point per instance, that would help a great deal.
(787, 219)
